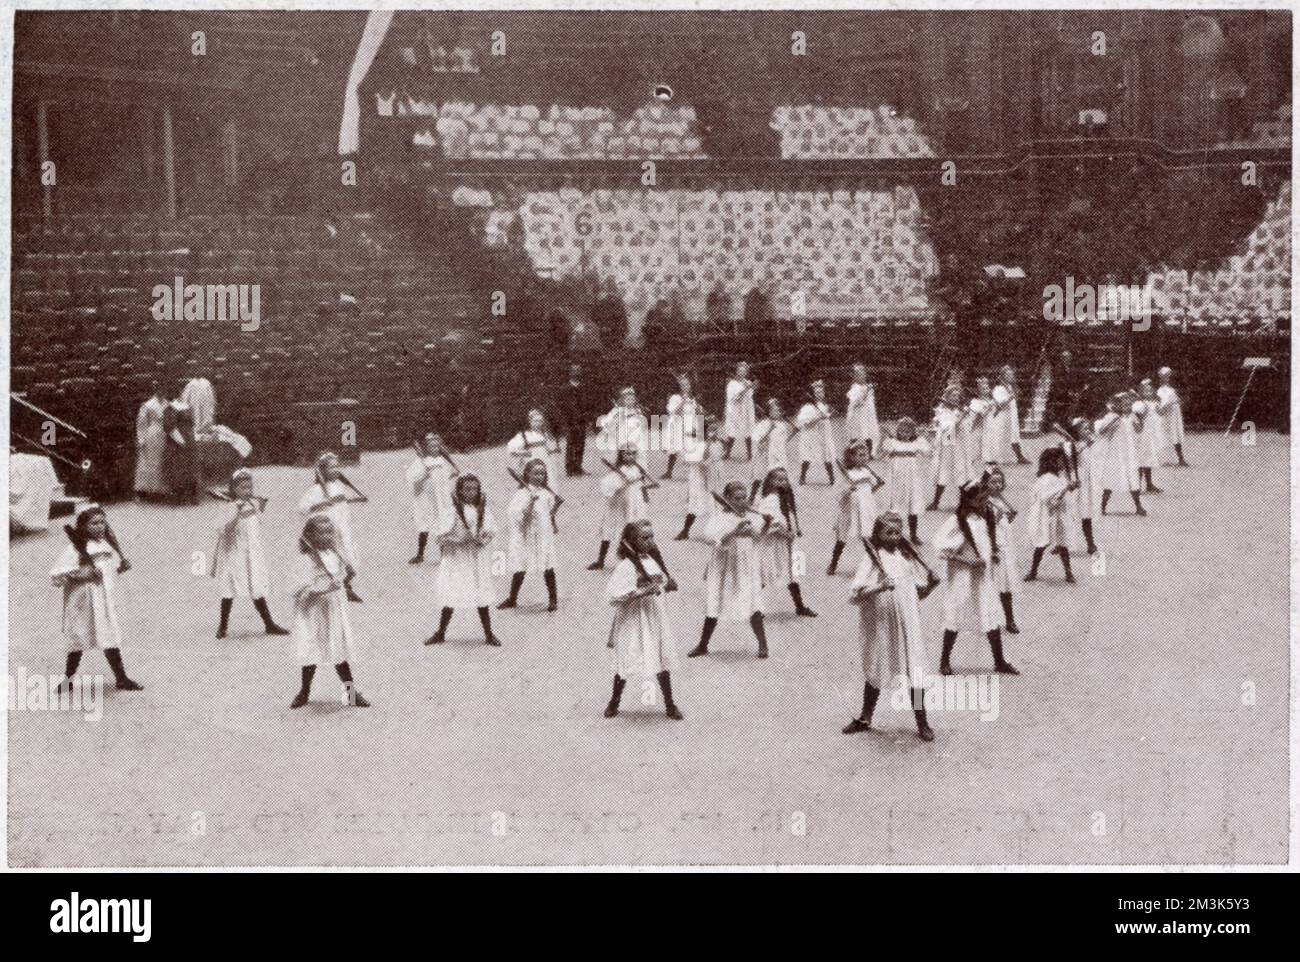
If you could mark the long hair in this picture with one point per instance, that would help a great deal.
(905, 547)
(784, 494)
(626, 548)
(458, 501)
(528, 467)
(1051, 461)
(967, 505)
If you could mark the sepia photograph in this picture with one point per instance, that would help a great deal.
(630, 437)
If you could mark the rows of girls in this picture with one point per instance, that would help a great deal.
(749, 521)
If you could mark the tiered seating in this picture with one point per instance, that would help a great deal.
(1253, 287)
(812, 132)
(344, 310)
(526, 132)
(844, 254)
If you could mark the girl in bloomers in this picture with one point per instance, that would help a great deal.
(816, 434)
(330, 494)
(87, 572)
(1049, 515)
(1005, 570)
(321, 630)
(858, 509)
(430, 477)
(905, 451)
(967, 543)
(888, 588)
(733, 580)
(239, 563)
(951, 463)
(465, 575)
(627, 498)
(702, 457)
(776, 539)
(532, 533)
(641, 637)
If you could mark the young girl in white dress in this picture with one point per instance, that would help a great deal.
(641, 636)
(536, 441)
(967, 543)
(776, 538)
(533, 532)
(888, 588)
(1006, 573)
(861, 420)
(951, 463)
(322, 633)
(683, 424)
(1118, 452)
(465, 574)
(87, 572)
(1007, 417)
(905, 451)
(626, 489)
(238, 561)
(1150, 435)
(733, 581)
(702, 457)
(430, 477)
(1081, 458)
(772, 437)
(858, 509)
(1171, 407)
(1049, 515)
(330, 495)
(816, 434)
(740, 411)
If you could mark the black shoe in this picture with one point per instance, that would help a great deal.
(492, 640)
(353, 596)
(611, 710)
(805, 611)
(681, 536)
(697, 651)
(274, 629)
(672, 712)
(923, 729)
(1011, 628)
(595, 566)
(299, 700)
(552, 606)
(437, 638)
(1005, 668)
(508, 603)
(416, 560)
(855, 726)
(126, 684)
(762, 651)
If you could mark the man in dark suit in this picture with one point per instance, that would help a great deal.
(573, 404)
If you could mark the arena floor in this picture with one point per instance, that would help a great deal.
(1126, 739)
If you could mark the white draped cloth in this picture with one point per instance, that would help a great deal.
(31, 486)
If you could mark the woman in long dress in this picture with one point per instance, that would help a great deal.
(322, 633)
(150, 443)
(967, 543)
(465, 574)
(888, 588)
(640, 635)
(239, 561)
(180, 460)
